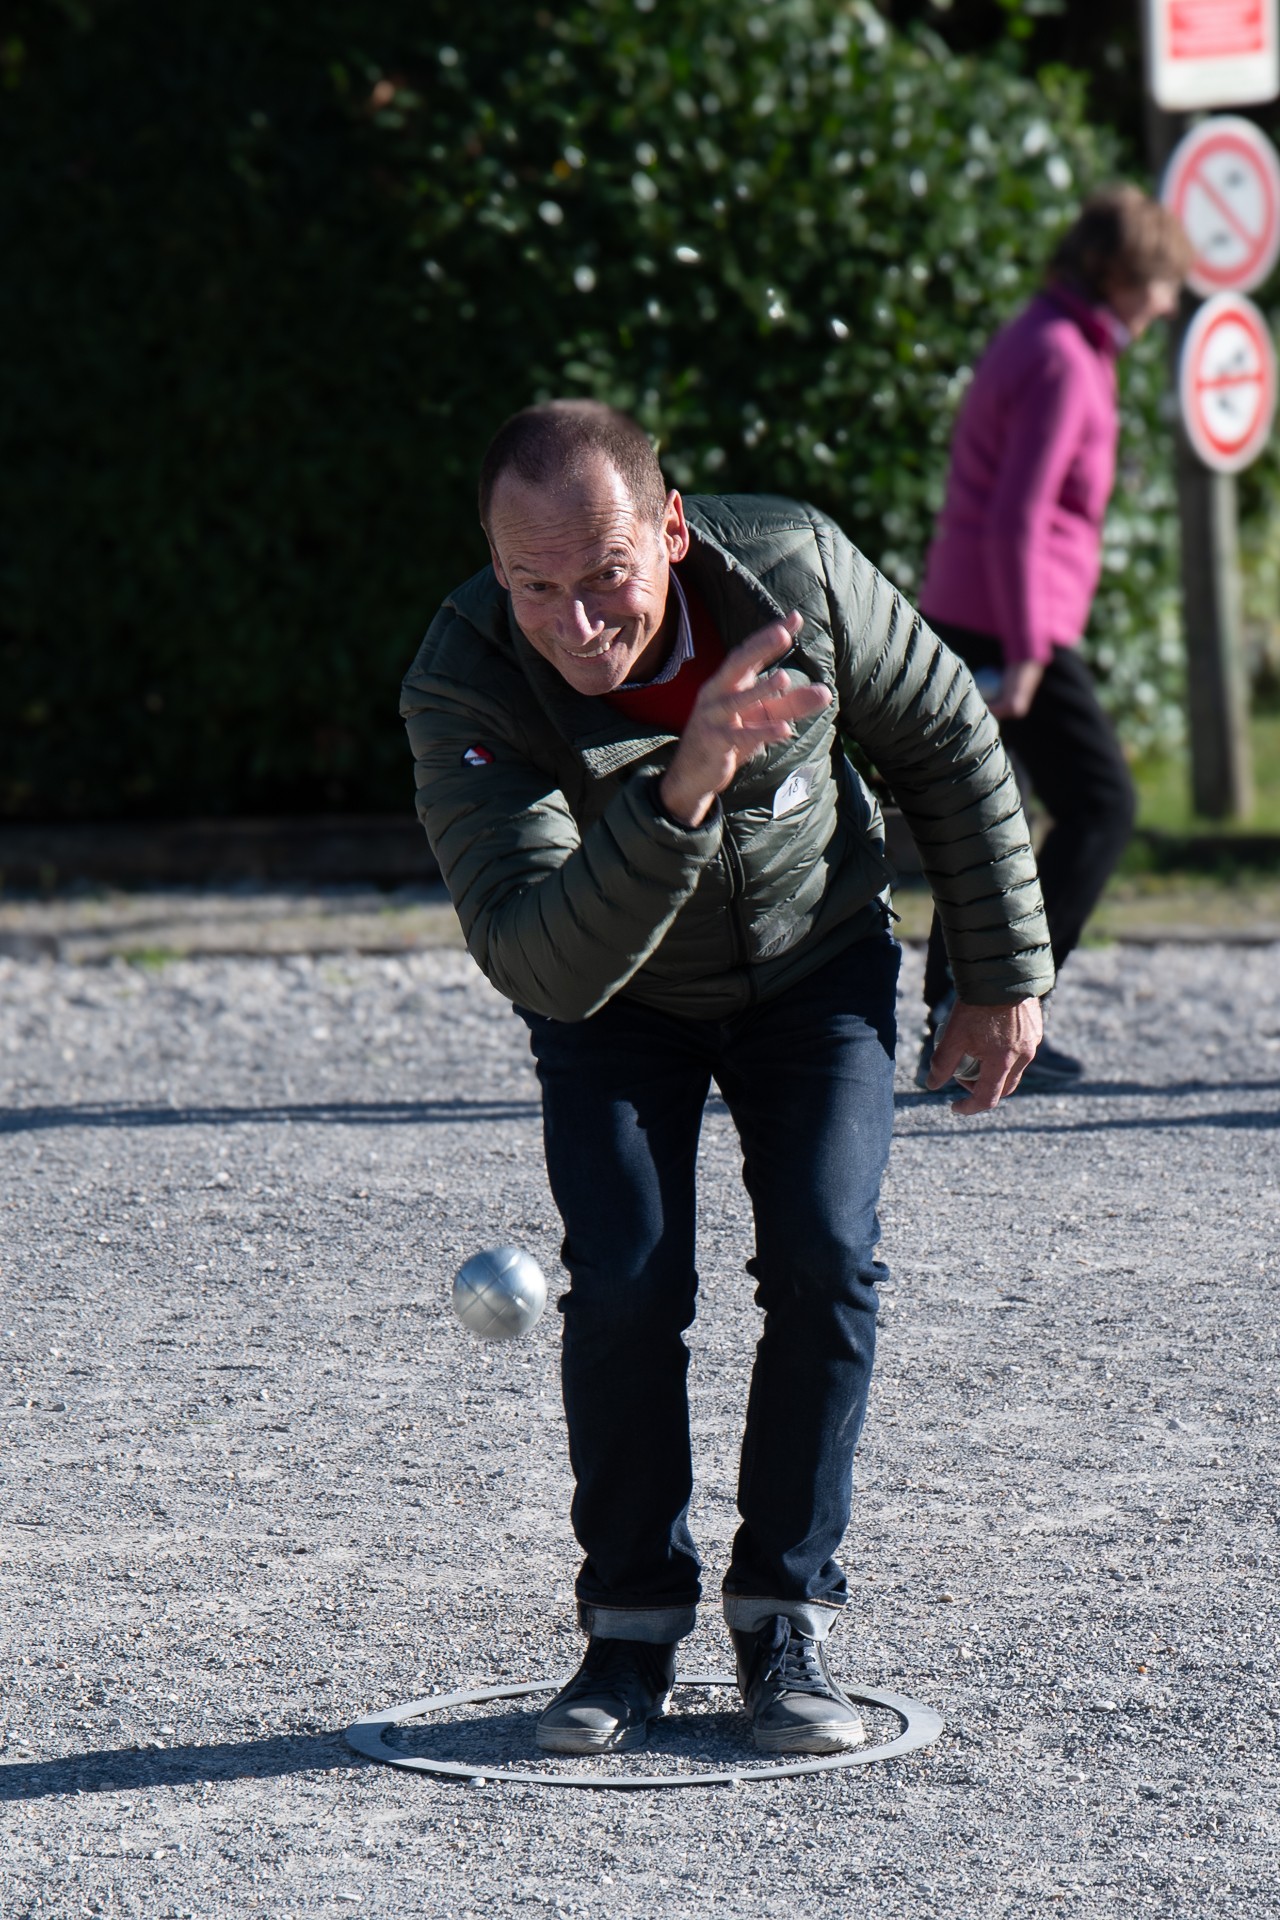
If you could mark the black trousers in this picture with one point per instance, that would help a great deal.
(1065, 752)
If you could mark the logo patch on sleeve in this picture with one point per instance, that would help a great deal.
(477, 757)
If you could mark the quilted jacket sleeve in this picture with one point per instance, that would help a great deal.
(558, 920)
(911, 704)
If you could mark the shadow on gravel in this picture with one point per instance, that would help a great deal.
(704, 1734)
(328, 1113)
(1019, 1117)
(1241, 1121)
(1099, 1089)
(127, 1769)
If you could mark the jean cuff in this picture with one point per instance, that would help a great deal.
(657, 1626)
(748, 1613)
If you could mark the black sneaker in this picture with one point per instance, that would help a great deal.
(608, 1706)
(1050, 1071)
(935, 1021)
(795, 1705)
(924, 1063)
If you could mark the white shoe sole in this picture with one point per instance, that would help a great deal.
(839, 1738)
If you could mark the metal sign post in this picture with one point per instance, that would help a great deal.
(1217, 698)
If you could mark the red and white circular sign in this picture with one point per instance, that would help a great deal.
(1223, 183)
(1227, 382)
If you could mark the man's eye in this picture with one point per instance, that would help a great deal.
(612, 576)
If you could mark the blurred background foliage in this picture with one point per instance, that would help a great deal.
(276, 272)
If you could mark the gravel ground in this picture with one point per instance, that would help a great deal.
(155, 925)
(257, 1481)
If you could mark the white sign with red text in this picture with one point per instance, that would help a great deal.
(1212, 53)
(1227, 382)
(1223, 183)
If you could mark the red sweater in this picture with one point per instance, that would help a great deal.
(668, 703)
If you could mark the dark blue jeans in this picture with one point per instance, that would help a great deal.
(808, 1079)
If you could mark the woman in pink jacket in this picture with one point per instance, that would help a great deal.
(1015, 557)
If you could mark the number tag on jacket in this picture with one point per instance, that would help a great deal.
(792, 793)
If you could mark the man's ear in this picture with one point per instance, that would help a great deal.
(675, 530)
(497, 567)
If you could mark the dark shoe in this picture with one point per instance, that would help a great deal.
(620, 1688)
(1050, 1071)
(795, 1705)
(935, 1021)
(924, 1063)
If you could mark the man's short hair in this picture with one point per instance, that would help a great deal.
(550, 446)
(1121, 234)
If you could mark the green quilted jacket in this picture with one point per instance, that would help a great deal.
(572, 886)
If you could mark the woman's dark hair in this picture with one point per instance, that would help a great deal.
(549, 446)
(1121, 234)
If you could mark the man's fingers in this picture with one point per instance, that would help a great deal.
(992, 1081)
(986, 1082)
(771, 706)
(740, 712)
(748, 660)
(985, 1092)
(986, 1049)
(948, 1057)
(744, 695)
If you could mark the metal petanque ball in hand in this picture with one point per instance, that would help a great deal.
(498, 1294)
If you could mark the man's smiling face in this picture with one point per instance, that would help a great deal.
(588, 576)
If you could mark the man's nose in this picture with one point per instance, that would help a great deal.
(578, 625)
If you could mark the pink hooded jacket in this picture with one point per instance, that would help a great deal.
(1017, 548)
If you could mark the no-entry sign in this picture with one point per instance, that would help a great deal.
(1227, 382)
(1223, 183)
(1212, 53)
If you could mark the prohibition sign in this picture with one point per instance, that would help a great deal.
(1223, 184)
(1227, 382)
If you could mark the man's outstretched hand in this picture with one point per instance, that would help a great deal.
(1002, 1040)
(735, 717)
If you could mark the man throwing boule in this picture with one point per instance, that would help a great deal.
(628, 739)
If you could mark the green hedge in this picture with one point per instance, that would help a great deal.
(282, 270)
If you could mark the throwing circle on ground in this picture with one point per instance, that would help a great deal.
(1223, 184)
(1227, 382)
(921, 1726)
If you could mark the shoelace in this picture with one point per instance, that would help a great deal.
(793, 1661)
